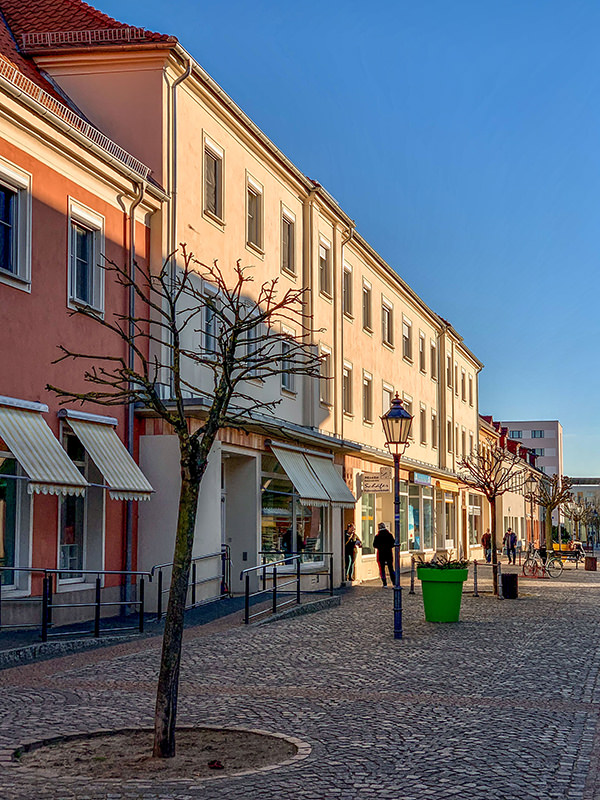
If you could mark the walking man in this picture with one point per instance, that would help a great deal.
(384, 544)
(510, 542)
(486, 543)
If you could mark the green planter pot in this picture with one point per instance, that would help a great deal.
(442, 592)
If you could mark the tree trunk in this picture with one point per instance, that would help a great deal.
(549, 532)
(168, 681)
(494, 547)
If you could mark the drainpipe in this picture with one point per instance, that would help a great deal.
(348, 236)
(139, 196)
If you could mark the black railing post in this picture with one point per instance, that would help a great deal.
(159, 599)
(141, 603)
(298, 581)
(194, 583)
(50, 598)
(475, 592)
(412, 575)
(274, 590)
(45, 608)
(1, 579)
(247, 600)
(97, 608)
(331, 576)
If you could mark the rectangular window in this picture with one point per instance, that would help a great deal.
(8, 229)
(368, 521)
(72, 520)
(347, 389)
(407, 339)
(9, 517)
(213, 182)
(288, 262)
(86, 278)
(407, 402)
(366, 307)
(515, 434)
(254, 209)
(287, 376)
(471, 444)
(537, 434)
(367, 397)
(470, 390)
(347, 291)
(325, 270)
(423, 424)
(463, 442)
(433, 360)
(325, 380)
(449, 371)
(387, 324)
(422, 356)
(456, 379)
(210, 331)
(539, 451)
(388, 396)
(449, 435)
(434, 430)
(463, 386)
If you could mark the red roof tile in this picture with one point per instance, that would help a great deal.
(60, 16)
(10, 54)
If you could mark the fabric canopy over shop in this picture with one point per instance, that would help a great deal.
(38, 451)
(447, 486)
(125, 479)
(298, 470)
(332, 481)
(314, 477)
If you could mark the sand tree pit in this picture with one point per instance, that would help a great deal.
(126, 754)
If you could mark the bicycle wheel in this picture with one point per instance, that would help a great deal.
(529, 567)
(554, 567)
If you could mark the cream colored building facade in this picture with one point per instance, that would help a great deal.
(233, 195)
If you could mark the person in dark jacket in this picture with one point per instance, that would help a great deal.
(510, 542)
(351, 544)
(384, 544)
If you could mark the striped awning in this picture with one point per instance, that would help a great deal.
(298, 470)
(38, 451)
(333, 483)
(125, 479)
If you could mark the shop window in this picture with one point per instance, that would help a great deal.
(428, 519)
(414, 519)
(15, 515)
(368, 523)
(288, 525)
(474, 521)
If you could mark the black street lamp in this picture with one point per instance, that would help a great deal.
(396, 428)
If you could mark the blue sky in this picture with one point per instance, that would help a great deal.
(464, 139)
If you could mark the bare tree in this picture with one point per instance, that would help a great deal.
(579, 512)
(493, 470)
(243, 335)
(551, 493)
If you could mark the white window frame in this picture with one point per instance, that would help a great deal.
(347, 372)
(367, 379)
(216, 152)
(434, 430)
(255, 188)
(347, 297)
(433, 359)
(449, 370)
(423, 424)
(209, 291)
(326, 379)
(422, 353)
(463, 385)
(288, 379)
(368, 290)
(471, 392)
(289, 218)
(386, 401)
(325, 290)
(387, 311)
(407, 401)
(89, 219)
(19, 181)
(407, 351)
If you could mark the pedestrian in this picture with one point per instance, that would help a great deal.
(486, 543)
(510, 542)
(384, 544)
(351, 545)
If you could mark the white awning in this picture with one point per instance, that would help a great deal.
(37, 449)
(305, 482)
(125, 479)
(340, 494)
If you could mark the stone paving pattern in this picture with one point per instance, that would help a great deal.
(503, 706)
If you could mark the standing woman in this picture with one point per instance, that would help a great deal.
(351, 544)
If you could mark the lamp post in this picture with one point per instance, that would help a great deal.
(396, 428)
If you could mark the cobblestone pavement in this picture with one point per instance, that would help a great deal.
(503, 706)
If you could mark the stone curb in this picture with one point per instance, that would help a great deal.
(306, 608)
(44, 650)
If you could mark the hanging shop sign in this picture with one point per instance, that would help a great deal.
(377, 482)
(420, 478)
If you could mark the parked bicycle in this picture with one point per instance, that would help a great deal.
(534, 565)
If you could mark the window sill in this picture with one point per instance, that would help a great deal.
(73, 586)
(79, 305)
(254, 248)
(408, 360)
(325, 296)
(348, 317)
(368, 423)
(348, 414)
(367, 330)
(324, 404)
(16, 281)
(434, 379)
(214, 219)
(388, 346)
(291, 393)
(423, 371)
(289, 273)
